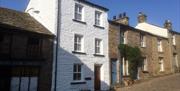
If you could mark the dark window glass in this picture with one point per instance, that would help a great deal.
(33, 41)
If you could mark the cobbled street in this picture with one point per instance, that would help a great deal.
(167, 83)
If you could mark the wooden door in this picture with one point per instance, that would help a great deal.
(97, 75)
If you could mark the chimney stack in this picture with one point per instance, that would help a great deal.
(142, 17)
(168, 25)
(122, 18)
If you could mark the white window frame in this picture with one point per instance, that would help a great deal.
(79, 12)
(125, 65)
(176, 60)
(122, 35)
(161, 64)
(78, 72)
(160, 48)
(99, 46)
(78, 43)
(98, 18)
(143, 40)
(174, 39)
(145, 64)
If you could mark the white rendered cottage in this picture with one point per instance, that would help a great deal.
(82, 57)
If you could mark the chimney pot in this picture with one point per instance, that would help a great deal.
(114, 17)
(120, 16)
(168, 25)
(124, 14)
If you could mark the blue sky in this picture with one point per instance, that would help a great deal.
(156, 10)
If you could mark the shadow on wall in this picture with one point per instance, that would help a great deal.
(66, 75)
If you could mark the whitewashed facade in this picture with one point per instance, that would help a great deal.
(83, 41)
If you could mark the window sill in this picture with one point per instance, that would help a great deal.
(99, 55)
(78, 82)
(161, 71)
(143, 46)
(160, 51)
(88, 78)
(145, 71)
(79, 21)
(99, 26)
(75, 52)
(126, 76)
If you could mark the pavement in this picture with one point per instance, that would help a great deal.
(166, 83)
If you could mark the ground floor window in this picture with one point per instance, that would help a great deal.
(19, 78)
(125, 65)
(161, 64)
(24, 83)
(176, 60)
(145, 64)
(77, 72)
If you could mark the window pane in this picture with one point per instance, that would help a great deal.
(75, 68)
(74, 76)
(33, 84)
(79, 68)
(15, 83)
(24, 83)
(78, 76)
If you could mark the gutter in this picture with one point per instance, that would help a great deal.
(57, 42)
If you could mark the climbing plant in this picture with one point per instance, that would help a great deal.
(134, 57)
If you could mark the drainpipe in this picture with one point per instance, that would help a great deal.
(120, 61)
(57, 41)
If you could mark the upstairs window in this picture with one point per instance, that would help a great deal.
(1, 38)
(78, 43)
(98, 18)
(78, 12)
(77, 72)
(143, 40)
(122, 37)
(160, 49)
(174, 39)
(33, 47)
(33, 41)
(98, 46)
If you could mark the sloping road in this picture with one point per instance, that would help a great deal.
(167, 83)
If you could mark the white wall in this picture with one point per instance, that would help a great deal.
(46, 12)
(67, 58)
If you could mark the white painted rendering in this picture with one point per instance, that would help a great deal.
(45, 12)
(155, 30)
(69, 27)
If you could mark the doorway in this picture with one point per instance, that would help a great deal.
(113, 71)
(97, 77)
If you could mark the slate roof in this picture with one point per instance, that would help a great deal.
(22, 21)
